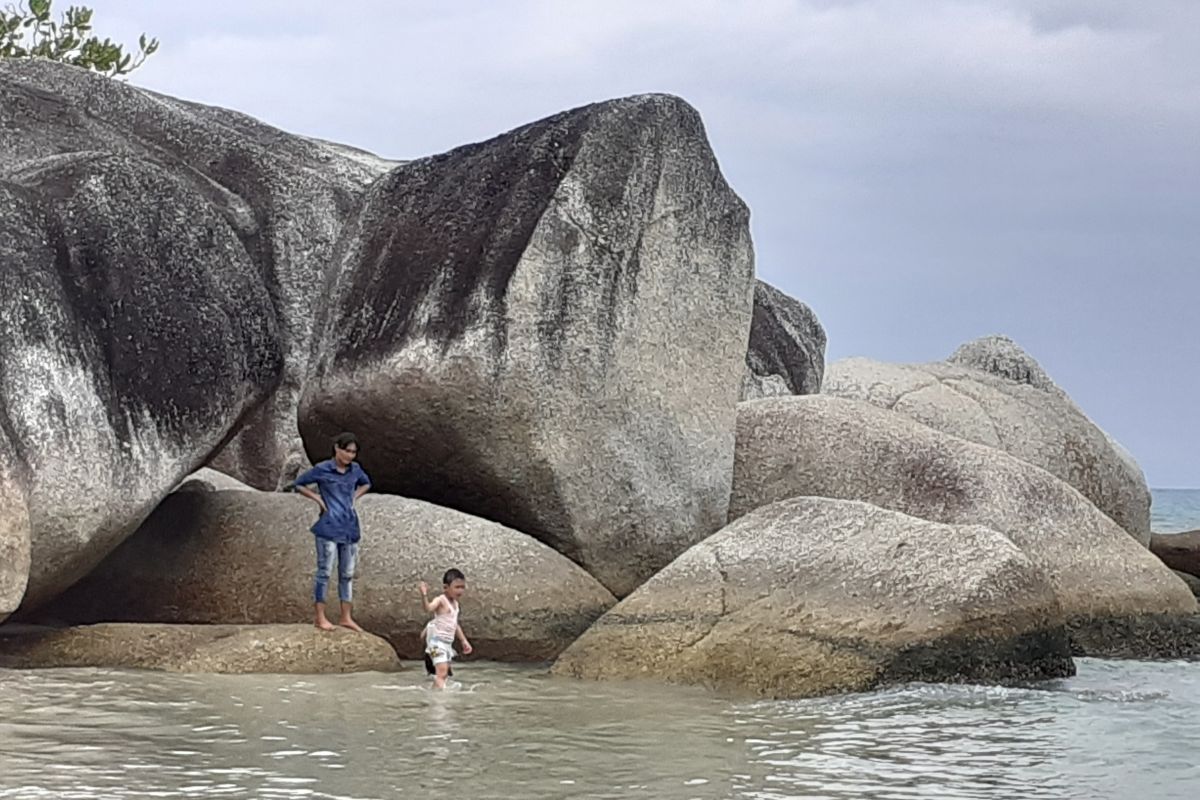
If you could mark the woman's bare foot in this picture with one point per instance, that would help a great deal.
(322, 621)
(349, 623)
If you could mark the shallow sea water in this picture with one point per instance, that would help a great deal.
(1117, 730)
(1175, 510)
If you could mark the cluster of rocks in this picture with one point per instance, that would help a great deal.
(566, 380)
(239, 555)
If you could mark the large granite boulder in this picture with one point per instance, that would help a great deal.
(549, 329)
(830, 447)
(239, 557)
(137, 333)
(786, 354)
(810, 596)
(992, 392)
(262, 197)
(235, 649)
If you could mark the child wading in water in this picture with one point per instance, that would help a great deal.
(443, 629)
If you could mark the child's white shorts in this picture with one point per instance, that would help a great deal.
(440, 651)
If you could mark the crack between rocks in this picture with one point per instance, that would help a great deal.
(724, 573)
(914, 390)
(583, 231)
(657, 218)
(949, 384)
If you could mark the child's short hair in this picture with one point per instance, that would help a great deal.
(344, 440)
(451, 576)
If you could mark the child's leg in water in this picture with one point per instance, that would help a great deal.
(443, 671)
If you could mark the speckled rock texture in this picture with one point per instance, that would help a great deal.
(1004, 358)
(210, 480)
(161, 262)
(266, 199)
(992, 392)
(549, 329)
(812, 596)
(831, 447)
(136, 336)
(786, 354)
(235, 649)
(230, 556)
(1192, 581)
(15, 534)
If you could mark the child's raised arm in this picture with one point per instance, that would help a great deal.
(426, 603)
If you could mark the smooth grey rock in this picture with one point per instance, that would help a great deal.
(549, 329)
(239, 557)
(207, 479)
(787, 347)
(15, 534)
(1192, 581)
(281, 198)
(1014, 407)
(1179, 551)
(137, 334)
(810, 596)
(226, 649)
(831, 447)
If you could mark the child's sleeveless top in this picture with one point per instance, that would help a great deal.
(445, 623)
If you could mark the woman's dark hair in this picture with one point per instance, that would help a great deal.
(344, 440)
(451, 576)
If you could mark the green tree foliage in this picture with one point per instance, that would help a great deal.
(28, 30)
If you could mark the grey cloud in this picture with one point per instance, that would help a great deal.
(920, 171)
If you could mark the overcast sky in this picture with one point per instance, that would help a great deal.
(920, 172)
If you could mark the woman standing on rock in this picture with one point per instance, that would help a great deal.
(340, 482)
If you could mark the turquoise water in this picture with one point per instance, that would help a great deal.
(1117, 731)
(1175, 510)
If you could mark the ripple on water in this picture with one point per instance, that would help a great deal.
(1117, 730)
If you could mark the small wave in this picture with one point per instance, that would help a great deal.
(1118, 696)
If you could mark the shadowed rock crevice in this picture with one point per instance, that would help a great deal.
(786, 352)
